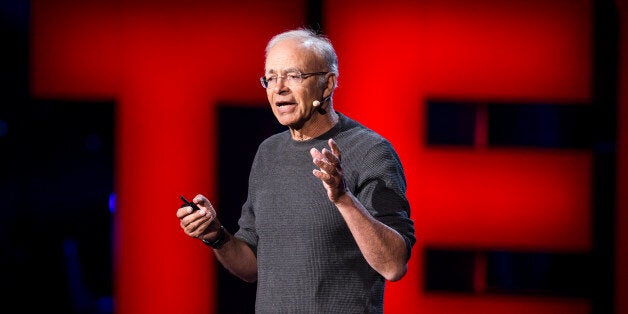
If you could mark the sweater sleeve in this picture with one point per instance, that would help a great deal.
(381, 188)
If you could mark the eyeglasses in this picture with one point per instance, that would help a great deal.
(290, 79)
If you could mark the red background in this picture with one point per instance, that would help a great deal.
(167, 64)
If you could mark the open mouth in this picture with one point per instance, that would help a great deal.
(283, 103)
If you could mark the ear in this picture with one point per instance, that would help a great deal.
(331, 85)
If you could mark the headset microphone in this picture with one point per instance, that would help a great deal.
(317, 103)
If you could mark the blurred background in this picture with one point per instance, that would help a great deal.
(509, 117)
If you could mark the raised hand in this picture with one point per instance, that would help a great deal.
(330, 170)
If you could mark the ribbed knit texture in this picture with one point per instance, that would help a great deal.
(308, 261)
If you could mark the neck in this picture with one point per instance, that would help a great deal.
(316, 126)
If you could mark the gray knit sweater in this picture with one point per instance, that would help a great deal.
(308, 261)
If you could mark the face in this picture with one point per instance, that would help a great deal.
(292, 103)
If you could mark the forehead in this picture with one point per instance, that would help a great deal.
(290, 54)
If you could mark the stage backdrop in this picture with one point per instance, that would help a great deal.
(489, 104)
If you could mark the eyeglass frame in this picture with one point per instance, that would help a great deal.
(299, 77)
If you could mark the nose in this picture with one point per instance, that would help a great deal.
(280, 86)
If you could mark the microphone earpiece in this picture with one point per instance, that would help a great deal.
(316, 103)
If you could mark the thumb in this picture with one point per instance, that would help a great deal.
(201, 200)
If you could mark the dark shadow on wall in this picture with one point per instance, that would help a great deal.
(241, 129)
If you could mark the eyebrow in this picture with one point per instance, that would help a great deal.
(286, 70)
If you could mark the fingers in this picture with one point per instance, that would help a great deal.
(196, 228)
(201, 200)
(327, 168)
(328, 162)
(316, 154)
(334, 148)
(183, 211)
(330, 157)
(330, 170)
(196, 223)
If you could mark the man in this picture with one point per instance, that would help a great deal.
(319, 232)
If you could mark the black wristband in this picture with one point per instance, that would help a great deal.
(220, 239)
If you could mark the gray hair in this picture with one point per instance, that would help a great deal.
(320, 44)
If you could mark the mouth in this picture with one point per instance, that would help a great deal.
(284, 103)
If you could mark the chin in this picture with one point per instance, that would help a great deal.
(287, 123)
(292, 124)
(286, 119)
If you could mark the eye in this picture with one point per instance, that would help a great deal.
(271, 79)
(293, 76)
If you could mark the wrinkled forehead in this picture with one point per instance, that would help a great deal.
(289, 56)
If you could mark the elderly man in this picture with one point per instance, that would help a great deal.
(319, 232)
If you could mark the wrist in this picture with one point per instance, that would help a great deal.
(344, 199)
(220, 239)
